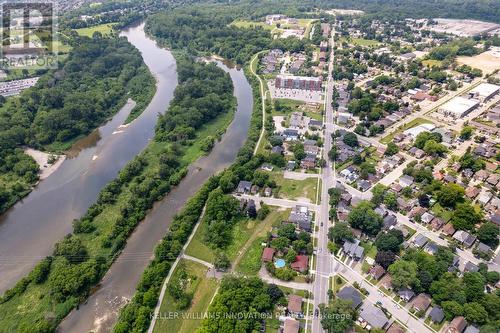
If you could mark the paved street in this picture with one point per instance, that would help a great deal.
(322, 280)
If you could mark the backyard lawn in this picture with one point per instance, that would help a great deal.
(202, 288)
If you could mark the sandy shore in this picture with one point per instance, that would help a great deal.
(42, 158)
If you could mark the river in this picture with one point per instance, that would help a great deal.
(100, 312)
(29, 230)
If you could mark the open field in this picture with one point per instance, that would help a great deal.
(104, 29)
(431, 63)
(202, 288)
(241, 232)
(360, 41)
(291, 105)
(295, 189)
(487, 61)
(252, 24)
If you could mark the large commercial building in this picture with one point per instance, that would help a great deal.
(298, 82)
(459, 107)
(484, 91)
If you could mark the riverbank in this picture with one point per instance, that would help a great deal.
(48, 163)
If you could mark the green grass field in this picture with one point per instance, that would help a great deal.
(361, 41)
(294, 189)
(291, 105)
(432, 63)
(252, 24)
(203, 290)
(104, 29)
(240, 234)
(411, 124)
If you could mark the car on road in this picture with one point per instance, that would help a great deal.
(379, 303)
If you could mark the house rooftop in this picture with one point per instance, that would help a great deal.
(351, 294)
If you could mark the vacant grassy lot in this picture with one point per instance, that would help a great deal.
(252, 24)
(203, 290)
(413, 123)
(431, 63)
(294, 189)
(104, 29)
(250, 262)
(291, 105)
(241, 233)
(361, 41)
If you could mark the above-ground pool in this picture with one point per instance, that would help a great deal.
(279, 263)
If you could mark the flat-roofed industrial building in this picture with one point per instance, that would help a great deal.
(459, 107)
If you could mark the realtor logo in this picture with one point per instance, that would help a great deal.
(29, 39)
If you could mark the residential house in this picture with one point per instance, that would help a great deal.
(268, 254)
(472, 192)
(300, 264)
(471, 329)
(377, 271)
(483, 248)
(464, 237)
(406, 294)
(395, 328)
(448, 229)
(437, 223)
(431, 248)
(484, 197)
(416, 211)
(386, 282)
(291, 326)
(353, 249)
(302, 217)
(373, 315)
(436, 314)
(277, 150)
(457, 325)
(420, 240)
(291, 134)
(421, 302)
(244, 187)
(308, 162)
(406, 181)
(427, 217)
(295, 304)
(349, 293)
(470, 267)
(390, 221)
(266, 167)
(364, 185)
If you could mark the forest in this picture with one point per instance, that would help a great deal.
(68, 103)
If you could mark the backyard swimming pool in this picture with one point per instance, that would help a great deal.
(279, 263)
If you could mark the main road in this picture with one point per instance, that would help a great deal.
(323, 259)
